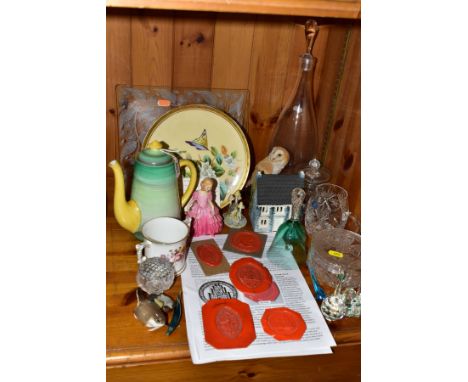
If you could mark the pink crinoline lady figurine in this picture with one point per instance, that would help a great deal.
(207, 220)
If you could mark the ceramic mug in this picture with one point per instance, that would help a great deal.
(164, 236)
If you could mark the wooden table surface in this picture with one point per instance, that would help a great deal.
(135, 354)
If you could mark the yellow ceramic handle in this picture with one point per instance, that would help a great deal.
(193, 180)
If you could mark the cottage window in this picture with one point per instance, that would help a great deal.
(263, 222)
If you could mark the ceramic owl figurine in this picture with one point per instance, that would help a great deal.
(272, 164)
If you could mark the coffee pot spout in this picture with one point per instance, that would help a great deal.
(127, 214)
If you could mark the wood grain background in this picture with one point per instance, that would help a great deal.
(254, 52)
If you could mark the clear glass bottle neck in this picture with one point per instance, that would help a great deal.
(304, 77)
(306, 62)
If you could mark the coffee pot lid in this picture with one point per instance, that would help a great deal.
(155, 155)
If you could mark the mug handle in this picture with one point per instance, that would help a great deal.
(139, 248)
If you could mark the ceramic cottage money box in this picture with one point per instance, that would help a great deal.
(155, 188)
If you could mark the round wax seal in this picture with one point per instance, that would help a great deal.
(283, 324)
(228, 324)
(246, 241)
(217, 289)
(209, 254)
(271, 294)
(250, 276)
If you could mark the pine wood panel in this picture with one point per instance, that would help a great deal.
(259, 53)
(319, 8)
(151, 50)
(193, 50)
(118, 70)
(268, 71)
(329, 60)
(344, 149)
(232, 51)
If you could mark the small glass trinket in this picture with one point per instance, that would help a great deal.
(352, 302)
(155, 275)
(334, 307)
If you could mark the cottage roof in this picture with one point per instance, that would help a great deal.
(276, 189)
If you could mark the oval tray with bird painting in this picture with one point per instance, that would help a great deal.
(210, 138)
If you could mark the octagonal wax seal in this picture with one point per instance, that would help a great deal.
(228, 324)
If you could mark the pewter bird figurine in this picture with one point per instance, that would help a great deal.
(148, 312)
(272, 164)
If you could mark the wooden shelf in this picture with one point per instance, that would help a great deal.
(346, 9)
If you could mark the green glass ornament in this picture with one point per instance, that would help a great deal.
(291, 235)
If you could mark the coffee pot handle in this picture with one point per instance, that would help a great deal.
(193, 180)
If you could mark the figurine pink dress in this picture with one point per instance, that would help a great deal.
(207, 220)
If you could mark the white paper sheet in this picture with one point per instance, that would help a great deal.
(294, 294)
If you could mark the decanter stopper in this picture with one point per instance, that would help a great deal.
(297, 198)
(315, 164)
(311, 30)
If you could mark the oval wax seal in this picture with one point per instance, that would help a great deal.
(228, 324)
(250, 276)
(209, 254)
(283, 324)
(246, 241)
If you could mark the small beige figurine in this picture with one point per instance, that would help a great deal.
(233, 218)
(272, 164)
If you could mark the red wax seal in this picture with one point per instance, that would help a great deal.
(283, 324)
(250, 276)
(269, 295)
(209, 254)
(228, 324)
(246, 241)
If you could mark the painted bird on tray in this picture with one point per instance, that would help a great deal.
(272, 164)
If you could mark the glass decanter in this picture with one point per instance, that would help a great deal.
(296, 129)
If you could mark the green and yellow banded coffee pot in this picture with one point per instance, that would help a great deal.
(155, 188)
